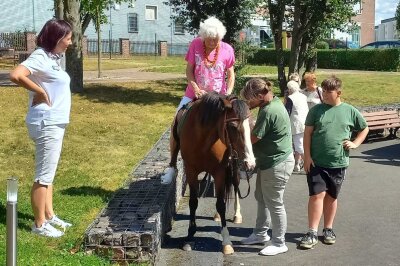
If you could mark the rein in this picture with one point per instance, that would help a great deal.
(233, 159)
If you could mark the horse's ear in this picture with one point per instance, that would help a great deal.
(227, 103)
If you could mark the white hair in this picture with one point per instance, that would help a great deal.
(212, 28)
(293, 86)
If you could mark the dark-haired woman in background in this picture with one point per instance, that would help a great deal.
(47, 118)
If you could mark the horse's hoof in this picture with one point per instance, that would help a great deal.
(187, 246)
(227, 250)
(217, 218)
(237, 220)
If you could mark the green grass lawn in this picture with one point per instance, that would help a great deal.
(112, 128)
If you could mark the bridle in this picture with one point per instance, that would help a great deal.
(234, 162)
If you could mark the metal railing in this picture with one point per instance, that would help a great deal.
(13, 40)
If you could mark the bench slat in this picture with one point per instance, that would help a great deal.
(384, 122)
(365, 114)
(384, 126)
(380, 118)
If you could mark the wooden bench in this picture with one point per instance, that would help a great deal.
(382, 120)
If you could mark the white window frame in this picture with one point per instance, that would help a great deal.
(358, 8)
(131, 15)
(153, 7)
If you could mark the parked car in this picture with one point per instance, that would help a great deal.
(382, 45)
(340, 44)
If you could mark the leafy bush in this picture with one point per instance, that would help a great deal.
(357, 59)
(322, 45)
(267, 57)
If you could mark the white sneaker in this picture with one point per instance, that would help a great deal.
(296, 168)
(46, 230)
(273, 250)
(168, 176)
(55, 221)
(255, 239)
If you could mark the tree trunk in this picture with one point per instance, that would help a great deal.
(277, 12)
(74, 52)
(59, 9)
(98, 45)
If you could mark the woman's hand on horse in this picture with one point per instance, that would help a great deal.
(199, 93)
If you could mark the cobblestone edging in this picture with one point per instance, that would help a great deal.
(375, 108)
(131, 227)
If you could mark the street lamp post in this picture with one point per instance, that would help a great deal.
(12, 221)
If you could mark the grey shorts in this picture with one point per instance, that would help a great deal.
(48, 144)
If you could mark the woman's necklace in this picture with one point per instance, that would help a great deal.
(211, 63)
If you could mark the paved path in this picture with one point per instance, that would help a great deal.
(118, 75)
(367, 223)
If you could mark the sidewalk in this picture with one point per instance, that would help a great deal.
(366, 225)
(118, 75)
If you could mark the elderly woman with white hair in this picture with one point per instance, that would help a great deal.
(210, 67)
(209, 62)
(296, 104)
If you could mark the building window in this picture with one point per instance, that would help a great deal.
(133, 22)
(179, 28)
(151, 13)
(357, 8)
(355, 37)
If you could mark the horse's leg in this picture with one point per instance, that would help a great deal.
(171, 171)
(193, 203)
(237, 219)
(221, 208)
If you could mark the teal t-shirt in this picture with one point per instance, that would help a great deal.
(273, 129)
(332, 125)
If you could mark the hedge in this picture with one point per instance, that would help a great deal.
(357, 59)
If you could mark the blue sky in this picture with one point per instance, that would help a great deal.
(384, 9)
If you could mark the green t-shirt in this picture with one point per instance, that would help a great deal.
(273, 129)
(332, 125)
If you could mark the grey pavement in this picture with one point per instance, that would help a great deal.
(117, 75)
(367, 223)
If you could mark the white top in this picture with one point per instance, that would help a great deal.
(312, 97)
(299, 112)
(47, 73)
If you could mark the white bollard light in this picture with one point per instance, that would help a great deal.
(12, 221)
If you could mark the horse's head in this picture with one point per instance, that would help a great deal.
(237, 124)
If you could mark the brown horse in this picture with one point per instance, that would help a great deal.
(213, 134)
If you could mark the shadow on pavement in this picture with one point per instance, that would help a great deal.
(388, 155)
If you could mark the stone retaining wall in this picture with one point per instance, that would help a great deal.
(132, 226)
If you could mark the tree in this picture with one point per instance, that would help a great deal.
(277, 16)
(234, 14)
(397, 16)
(74, 64)
(310, 21)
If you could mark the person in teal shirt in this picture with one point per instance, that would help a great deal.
(272, 147)
(326, 157)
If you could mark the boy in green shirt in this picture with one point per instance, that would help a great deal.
(326, 156)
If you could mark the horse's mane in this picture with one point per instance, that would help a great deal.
(213, 106)
(240, 107)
